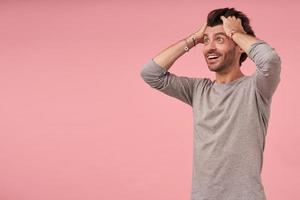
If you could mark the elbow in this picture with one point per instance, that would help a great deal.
(271, 62)
(275, 63)
(144, 73)
(153, 77)
(272, 66)
(273, 59)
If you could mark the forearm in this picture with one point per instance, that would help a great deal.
(244, 41)
(168, 56)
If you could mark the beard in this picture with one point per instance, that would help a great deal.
(223, 62)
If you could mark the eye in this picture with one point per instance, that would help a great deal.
(205, 40)
(220, 39)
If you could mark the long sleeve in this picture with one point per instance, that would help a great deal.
(159, 78)
(268, 67)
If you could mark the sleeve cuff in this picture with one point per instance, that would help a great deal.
(160, 68)
(252, 47)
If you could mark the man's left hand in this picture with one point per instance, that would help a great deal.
(232, 24)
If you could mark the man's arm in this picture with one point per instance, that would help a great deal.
(155, 72)
(159, 78)
(168, 56)
(267, 75)
(267, 61)
(234, 29)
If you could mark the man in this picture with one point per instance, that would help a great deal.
(230, 113)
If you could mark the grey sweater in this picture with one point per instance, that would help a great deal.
(230, 125)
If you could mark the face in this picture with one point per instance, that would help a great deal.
(220, 52)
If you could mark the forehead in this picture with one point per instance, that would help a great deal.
(213, 30)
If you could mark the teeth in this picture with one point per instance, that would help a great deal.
(212, 56)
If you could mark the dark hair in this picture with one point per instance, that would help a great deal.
(213, 19)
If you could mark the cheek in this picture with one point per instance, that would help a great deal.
(206, 49)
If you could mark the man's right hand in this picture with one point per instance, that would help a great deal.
(199, 33)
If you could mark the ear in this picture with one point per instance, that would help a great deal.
(241, 50)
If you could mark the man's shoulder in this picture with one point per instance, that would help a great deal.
(203, 80)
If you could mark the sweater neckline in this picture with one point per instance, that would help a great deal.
(224, 85)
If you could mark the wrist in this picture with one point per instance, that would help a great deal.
(191, 39)
(233, 32)
(190, 42)
(195, 38)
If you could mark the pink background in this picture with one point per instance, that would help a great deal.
(78, 122)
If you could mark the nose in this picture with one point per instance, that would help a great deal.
(210, 47)
(211, 44)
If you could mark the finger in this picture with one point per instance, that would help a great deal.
(203, 27)
(223, 18)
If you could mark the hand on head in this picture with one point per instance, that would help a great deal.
(200, 32)
(232, 24)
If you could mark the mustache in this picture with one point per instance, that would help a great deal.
(213, 52)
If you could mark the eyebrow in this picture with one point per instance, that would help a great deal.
(219, 33)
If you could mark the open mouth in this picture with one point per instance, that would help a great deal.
(212, 57)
